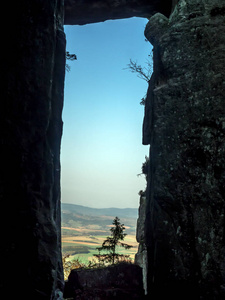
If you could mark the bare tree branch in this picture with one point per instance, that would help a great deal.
(142, 72)
(70, 57)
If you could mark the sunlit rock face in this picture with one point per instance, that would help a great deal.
(30, 133)
(185, 126)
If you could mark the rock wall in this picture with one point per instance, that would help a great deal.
(91, 11)
(185, 125)
(30, 135)
(141, 257)
(33, 64)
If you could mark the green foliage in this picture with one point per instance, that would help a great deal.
(70, 264)
(70, 56)
(145, 167)
(109, 245)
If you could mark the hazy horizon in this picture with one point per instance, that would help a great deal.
(111, 207)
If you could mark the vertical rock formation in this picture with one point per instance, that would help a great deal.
(184, 242)
(185, 126)
(141, 258)
(30, 135)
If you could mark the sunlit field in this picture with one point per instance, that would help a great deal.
(83, 245)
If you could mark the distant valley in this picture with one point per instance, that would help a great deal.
(85, 228)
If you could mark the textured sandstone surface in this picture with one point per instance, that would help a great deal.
(185, 126)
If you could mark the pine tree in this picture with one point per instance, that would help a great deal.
(110, 244)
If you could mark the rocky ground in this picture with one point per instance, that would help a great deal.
(122, 281)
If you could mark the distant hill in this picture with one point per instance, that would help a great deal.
(85, 228)
(84, 210)
(96, 220)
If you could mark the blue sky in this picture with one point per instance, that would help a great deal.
(102, 152)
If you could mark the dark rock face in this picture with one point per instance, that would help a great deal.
(185, 126)
(182, 243)
(91, 11)
(123, 281)
(141, 258)
(31, 128)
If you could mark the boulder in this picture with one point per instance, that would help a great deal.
(122, 281)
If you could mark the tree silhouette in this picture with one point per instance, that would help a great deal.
(110, 244)
(71, 57)
(144, 73)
